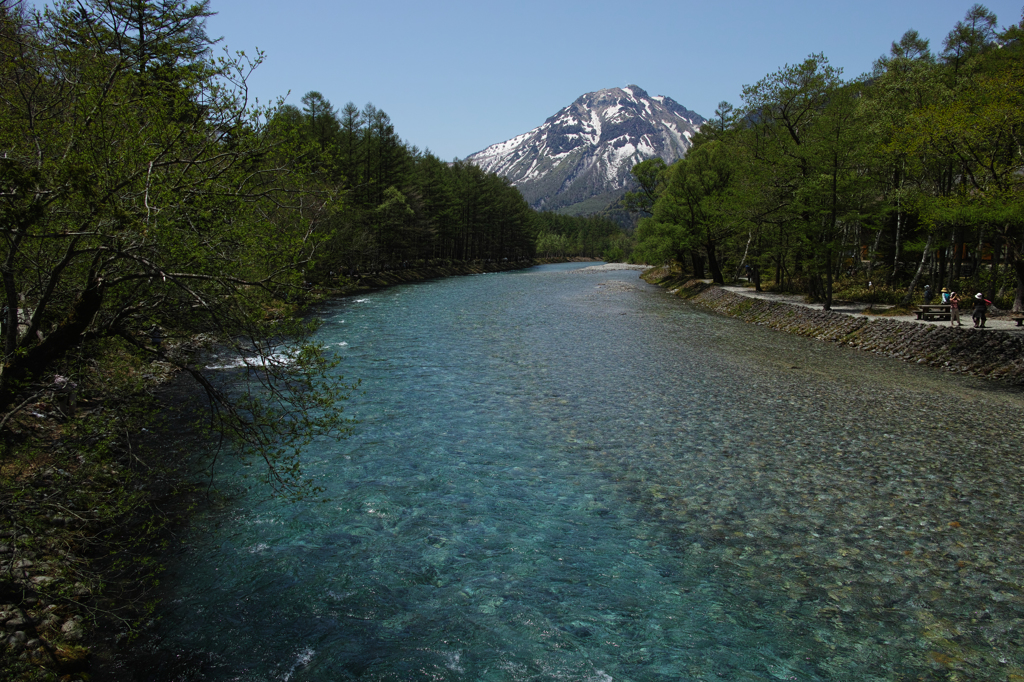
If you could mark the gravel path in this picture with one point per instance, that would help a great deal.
(858, 310)
(854, 308)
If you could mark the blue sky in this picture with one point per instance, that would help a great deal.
(457, 76)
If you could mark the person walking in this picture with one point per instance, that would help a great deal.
(928, 294)
(981, 305)
(954, 309)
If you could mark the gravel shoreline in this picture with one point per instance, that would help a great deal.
(606, 267)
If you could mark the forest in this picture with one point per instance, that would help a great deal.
(148, 205)
(870, 188)
(401, 206)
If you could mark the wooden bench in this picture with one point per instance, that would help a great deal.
(934, 312)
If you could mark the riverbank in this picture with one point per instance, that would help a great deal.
(994, 354)
(346, 286)
(84, 509)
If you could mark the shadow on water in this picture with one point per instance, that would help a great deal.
(564, 475)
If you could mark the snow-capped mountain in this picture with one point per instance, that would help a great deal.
(579, 160)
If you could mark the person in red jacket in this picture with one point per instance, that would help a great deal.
(981, 305)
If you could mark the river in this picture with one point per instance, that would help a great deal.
(565, 475)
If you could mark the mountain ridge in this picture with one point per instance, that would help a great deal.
(579, 159)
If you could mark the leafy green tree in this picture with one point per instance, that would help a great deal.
(836, 195)
(904, 82)
(160, 39)
(134, 197)
(787, 110)
(392, 223)
(349, 148)
(437, 205)
(911, 48)
(978, 129)
(660, 243)
(647, 173)
(321, 119)
(921, 161)
(695, 198)
(970, 38)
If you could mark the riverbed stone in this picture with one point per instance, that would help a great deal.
(72, 630)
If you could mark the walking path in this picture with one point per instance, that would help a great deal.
(858, 310)
(854, 308)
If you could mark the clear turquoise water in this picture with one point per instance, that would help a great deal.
(573, 476)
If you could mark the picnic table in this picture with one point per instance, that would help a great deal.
(934, 312)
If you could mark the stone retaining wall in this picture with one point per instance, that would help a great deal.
(992, 354)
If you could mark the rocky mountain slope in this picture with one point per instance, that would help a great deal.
(579, 160)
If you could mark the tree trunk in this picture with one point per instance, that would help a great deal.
(979, 256)
(858, 242)
(997, 253)
(716, 272)
(1018, 299)
(920, 268)
(896, 256)
(698, 264)
(958, 253)
(943, 267)
(21, 369)
(874, 250)
(950, 264)
(746, 250)
(828, 280)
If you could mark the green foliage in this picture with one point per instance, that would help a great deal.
(648, 174)
(142, 196)
(916, 173)
(619, 249)
(658, 242)
(401, 206)
(695, 199)
(87, 497)
(562, 236)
